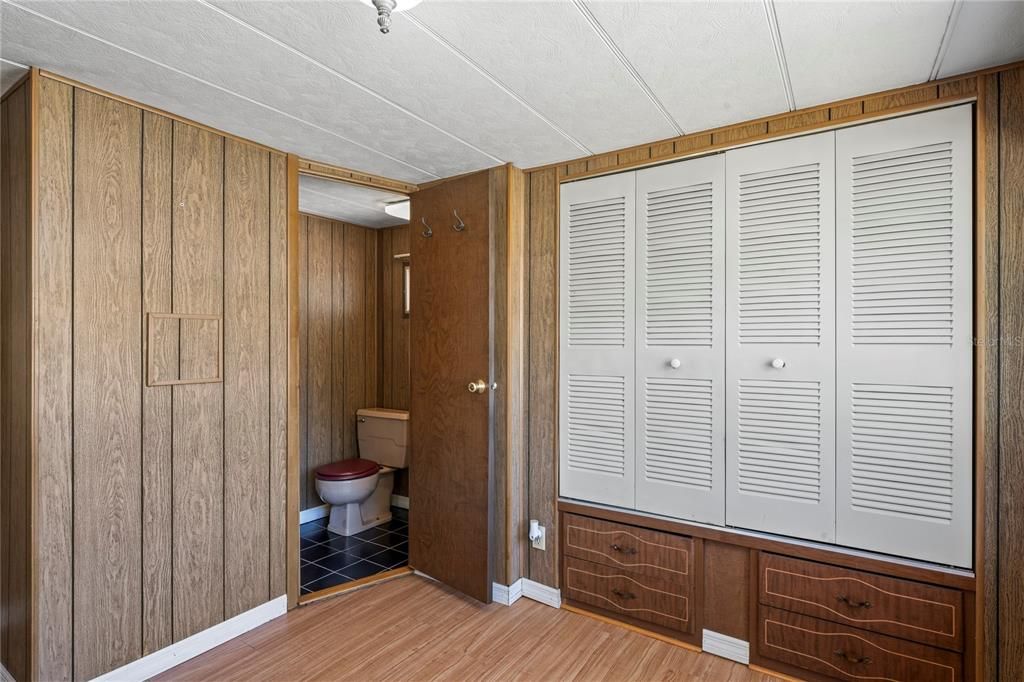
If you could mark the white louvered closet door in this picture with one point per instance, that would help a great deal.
(780, 258)
(904, 312)
(597, 339)
(680, 361)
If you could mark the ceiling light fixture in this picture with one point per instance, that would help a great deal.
(385, 8)
(399, 209)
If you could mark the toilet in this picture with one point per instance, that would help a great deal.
(359, 490)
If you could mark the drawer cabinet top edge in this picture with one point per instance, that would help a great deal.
(846, 557)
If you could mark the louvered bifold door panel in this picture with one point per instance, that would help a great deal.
(597, 339)
(680, 246)
(905, 352)
(780, 282)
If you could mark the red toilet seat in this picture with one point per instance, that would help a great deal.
(347, 470)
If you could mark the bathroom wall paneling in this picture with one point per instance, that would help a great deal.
(16, 494)
(394, 371)
(158, 511)
(341, 340)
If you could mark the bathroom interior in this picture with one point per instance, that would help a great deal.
(354, 277)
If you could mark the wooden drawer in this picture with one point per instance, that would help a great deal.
(661, 555)
(846, 653)
(902, 608)
(629, 593)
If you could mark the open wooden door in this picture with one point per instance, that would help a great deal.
(451, 466)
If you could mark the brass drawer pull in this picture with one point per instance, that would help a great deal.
(854, 604)
(852, 659)
(624, 550)
(623, 595)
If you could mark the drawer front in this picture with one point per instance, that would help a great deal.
(661, 555)
(629, 593)
(902, 608)
(849, 654)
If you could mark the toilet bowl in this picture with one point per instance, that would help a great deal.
(359, 490)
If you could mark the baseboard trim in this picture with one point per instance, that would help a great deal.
(314, 513)
(190, 647)
(727, 647)
(507, 595)
(542, 593)
(400, 501)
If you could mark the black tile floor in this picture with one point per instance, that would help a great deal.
(328, 559)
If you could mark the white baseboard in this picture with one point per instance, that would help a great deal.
(727, 647)
(5, 676)
(542, 593)
(507, 594)
(400, 501)
(314, 513)
(190, 647)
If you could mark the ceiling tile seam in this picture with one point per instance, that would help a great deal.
(13, 63)
(947, 37)
(626, 64)
(780, 53)
(218, 87)
(347, 79)
(444, 42)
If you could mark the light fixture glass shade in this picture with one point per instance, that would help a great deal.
(400, 5)
(399, 209)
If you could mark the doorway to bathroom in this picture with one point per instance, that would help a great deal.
(354, 384)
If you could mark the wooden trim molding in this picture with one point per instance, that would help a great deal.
(330, 172)
(832, 115)
(292, 502)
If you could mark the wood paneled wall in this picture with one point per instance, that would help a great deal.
(340, 338)
(1000, 284)
(159, 510)
(15, 381)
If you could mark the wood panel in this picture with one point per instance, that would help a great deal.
(1011, 376)
(108, 373)
(246, 377)
(542, 320)
(53, 335)
(450, 473)
(845, 653)
(303, 357)
(726, 574)
(497, 203)
(157, 435)
(279, 399)
(16, 447)
(320, 354)
(355, 316)
(198, 467)
(394, 340)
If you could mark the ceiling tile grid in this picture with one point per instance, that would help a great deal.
(459, 86)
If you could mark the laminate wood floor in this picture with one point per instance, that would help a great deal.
(414, 629)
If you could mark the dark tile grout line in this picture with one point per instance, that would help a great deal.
(348, 579)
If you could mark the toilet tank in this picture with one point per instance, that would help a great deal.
(384, 436)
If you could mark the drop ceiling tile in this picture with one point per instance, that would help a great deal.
(710, 63)
(9, 74)
(202, 42)
(986, 34)
(413, 70)
(548, 54)
(28, 39)
(836, 50)
(351, 203)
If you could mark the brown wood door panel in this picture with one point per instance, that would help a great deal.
(630, 593)
(451, 461)
(662, 555)
(915, 611)
(846, 653)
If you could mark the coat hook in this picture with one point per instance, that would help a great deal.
(427, 232)
(460, 226)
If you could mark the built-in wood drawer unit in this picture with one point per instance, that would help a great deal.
(901, 608)
(845, 653)
(630, 593)
(660, 555)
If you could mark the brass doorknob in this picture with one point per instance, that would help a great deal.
(478, 386)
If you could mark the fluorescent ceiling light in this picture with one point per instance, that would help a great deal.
(399, 209)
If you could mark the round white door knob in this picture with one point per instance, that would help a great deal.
(674, 363)
(778, 363)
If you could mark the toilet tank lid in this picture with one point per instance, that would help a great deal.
(383, 413)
